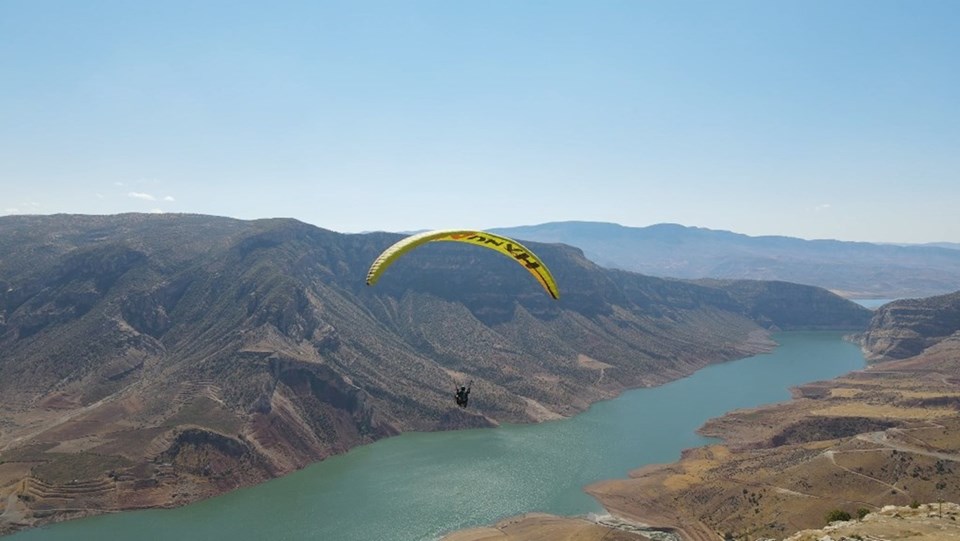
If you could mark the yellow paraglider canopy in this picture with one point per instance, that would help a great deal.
(503, 245)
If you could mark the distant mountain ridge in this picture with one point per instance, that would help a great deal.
(949, 245)
(158, 359)
(853, 269)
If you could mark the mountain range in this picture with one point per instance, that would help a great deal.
(151, 360)
(852, 269)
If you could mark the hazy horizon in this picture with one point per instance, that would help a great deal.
(942, 244)
(808, 119)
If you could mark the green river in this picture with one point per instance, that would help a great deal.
(420, 486)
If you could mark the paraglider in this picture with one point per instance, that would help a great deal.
(503, 245)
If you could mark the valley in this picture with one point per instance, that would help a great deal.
(156, 360)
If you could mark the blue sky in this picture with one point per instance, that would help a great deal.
(816, 119)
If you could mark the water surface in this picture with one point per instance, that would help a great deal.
(872, 304)
(419, 486)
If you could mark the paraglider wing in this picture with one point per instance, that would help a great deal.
(503, 245)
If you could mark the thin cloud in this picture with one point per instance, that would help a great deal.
(150, 197)
(156, 211)
(25, 207)
(821, 208)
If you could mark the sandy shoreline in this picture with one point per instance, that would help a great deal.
(656, 516)
(636, 497)
(545, 527)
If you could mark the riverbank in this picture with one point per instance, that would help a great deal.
(544, 527)
(636, 498)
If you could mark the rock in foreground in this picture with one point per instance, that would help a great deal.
(924, 523)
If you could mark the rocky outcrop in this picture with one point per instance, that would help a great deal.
(907, 327)
(934, 521)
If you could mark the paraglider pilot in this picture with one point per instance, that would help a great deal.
(463, 395)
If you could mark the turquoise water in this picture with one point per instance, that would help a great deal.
(419, 486)
(872, 304)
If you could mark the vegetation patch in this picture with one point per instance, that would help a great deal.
(207, 413)
(28, 453)
(129, 443)
(829, 428)
(65, 468)
(845, 392)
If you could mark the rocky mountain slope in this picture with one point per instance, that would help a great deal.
(907, 327)
(150, 360)
(785, 306)
(854, 269)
